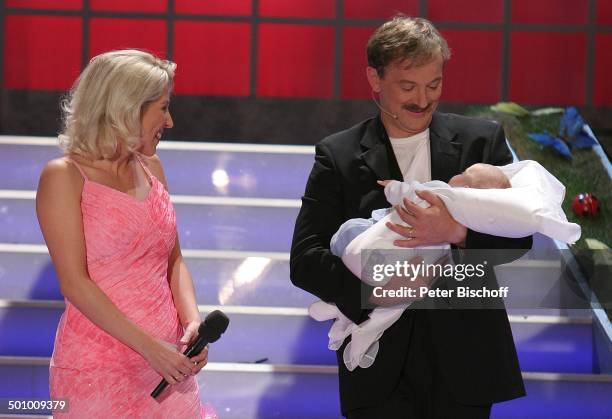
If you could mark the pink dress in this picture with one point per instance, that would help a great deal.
(128, 244)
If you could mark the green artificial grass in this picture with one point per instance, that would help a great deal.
(585, 173)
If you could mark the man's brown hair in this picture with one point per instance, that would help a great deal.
(405, 37)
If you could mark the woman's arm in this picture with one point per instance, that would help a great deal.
(179, 278)
(59, 215)
(183, 293)
(182, 288)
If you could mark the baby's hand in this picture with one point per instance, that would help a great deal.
(383, 182)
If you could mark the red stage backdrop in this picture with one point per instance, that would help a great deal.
(536, 52)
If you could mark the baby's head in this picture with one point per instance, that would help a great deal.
(481, 176)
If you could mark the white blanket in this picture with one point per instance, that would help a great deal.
(531, 205)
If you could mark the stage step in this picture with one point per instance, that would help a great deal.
(245, 391)
(552, 344)
(236, 391)
(252, 279)
(281, 339)
(248, 170)
(200, 226)
(560, 396)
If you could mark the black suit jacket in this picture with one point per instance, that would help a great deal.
(474, 348)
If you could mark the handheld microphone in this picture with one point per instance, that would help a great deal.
(210, 331)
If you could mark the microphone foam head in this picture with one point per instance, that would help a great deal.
(214, 325)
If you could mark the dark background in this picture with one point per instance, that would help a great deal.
(293, 71)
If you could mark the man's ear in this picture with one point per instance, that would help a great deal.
(373, 79)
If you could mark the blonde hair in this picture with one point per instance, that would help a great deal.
(405, 37)
(102, 112)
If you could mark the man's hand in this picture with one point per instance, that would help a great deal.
(429, 226)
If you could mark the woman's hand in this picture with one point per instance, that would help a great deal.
(191, 333)
(168, 361)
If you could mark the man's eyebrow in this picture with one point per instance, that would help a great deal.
(405, 81)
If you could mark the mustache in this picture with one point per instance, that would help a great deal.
(416, 108)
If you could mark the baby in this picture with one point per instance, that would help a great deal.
(479, 175)
(515, 200)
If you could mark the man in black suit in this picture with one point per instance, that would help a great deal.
(431, 363)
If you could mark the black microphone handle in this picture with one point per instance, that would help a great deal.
(194, 349)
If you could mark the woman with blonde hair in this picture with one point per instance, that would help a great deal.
(106, 217)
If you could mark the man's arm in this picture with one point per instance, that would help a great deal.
(313, 267)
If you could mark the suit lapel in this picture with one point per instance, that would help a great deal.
(378, 154)
(445, 151)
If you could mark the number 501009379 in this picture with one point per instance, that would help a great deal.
(32, 405)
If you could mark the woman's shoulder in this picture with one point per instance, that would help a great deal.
(59, 167)
(60, 171)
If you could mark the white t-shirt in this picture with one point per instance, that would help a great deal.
(413, 156)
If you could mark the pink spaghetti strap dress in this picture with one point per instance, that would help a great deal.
(128, 243)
